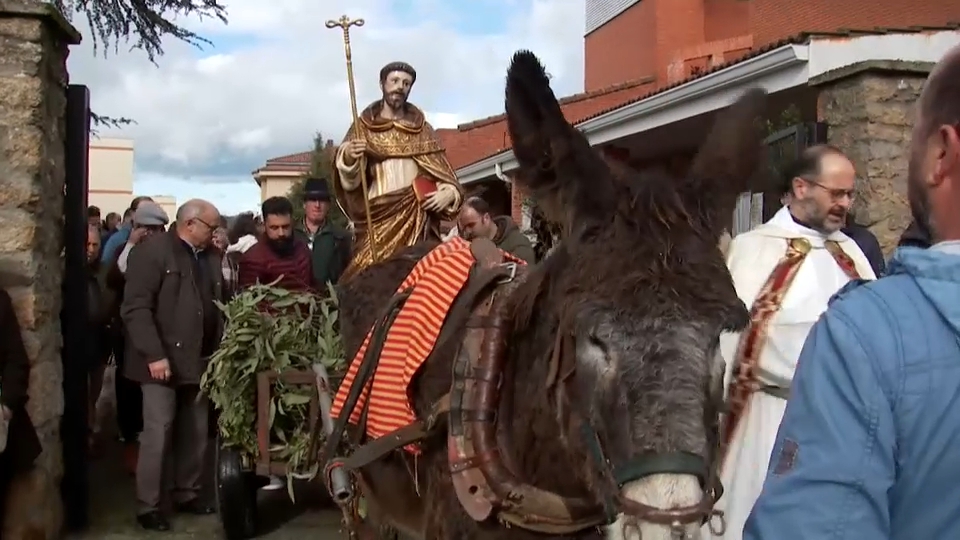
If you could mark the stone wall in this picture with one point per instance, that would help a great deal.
(33, 77)
(869, 109)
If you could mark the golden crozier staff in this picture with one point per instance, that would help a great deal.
(344, 23)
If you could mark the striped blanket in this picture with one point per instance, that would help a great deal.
(436, 281)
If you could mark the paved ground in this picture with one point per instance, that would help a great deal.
(113, 508)
(113, 505)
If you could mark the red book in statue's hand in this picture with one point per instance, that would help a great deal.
(423, 186)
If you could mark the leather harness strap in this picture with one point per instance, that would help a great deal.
(486, 274)
(408, 434)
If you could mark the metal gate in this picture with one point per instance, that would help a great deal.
(73, 316)
(783, 147)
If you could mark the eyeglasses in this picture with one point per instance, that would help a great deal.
(209, 226)
(835, 193)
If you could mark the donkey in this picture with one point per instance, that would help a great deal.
(634, 299)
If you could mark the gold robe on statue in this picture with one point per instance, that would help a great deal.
(398, 151)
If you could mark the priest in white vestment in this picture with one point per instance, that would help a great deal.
(785, 271)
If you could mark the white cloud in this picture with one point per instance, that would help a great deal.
(231, 197)
(203, 116)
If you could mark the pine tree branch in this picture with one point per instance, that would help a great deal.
(144, 22)
(100, 121)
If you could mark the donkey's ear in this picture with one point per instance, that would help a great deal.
(728, 161)
(557, 166)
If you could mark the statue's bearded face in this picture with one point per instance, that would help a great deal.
(396, 88)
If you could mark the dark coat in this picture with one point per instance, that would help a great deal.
(329, 252)
(869, 245)
(511, 239)
(99, 302)
(163, 308)
(917, 235)
(260, 264)
(23, 445)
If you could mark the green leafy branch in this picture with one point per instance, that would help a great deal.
(272, 329)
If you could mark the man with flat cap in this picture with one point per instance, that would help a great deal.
(329, 243)
(148, 219)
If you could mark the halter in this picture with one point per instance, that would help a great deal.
(561, 370)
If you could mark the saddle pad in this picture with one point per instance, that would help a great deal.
(436, 281)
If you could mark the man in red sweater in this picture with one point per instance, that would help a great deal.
(279, 255)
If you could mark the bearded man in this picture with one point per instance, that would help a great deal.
(279, 255)
(411, 186)
(786, 270)
(866, 447)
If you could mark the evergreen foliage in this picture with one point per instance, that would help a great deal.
(144, 24)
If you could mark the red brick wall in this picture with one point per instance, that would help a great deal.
(772, 20)
(638, 42)
(648, 36)
(679, 25)
(516, 204)
(725, 19)
(623, 49)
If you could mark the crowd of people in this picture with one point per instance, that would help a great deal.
(152, 287)
(841, 393)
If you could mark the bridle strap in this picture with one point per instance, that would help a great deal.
(646, 464)
(669, 463)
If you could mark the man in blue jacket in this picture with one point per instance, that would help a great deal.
(869, 446)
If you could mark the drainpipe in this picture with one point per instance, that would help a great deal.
(498, 170)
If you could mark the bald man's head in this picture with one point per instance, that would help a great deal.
(197, 220)
(940, 99)
(934, 171)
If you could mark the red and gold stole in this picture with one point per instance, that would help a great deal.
(768, 302)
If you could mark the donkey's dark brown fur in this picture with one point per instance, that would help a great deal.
(637, 283)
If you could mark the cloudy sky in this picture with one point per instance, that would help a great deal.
(205, 118)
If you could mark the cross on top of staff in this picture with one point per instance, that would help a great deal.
(344, 22)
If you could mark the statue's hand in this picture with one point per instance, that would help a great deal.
(438, 200)
(354, 150)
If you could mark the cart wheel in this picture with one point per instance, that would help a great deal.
(236, 495)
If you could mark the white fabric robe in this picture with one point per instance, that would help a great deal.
(751, 259)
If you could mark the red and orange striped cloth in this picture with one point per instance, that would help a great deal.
(436, 280)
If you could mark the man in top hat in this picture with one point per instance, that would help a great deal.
(329, 244)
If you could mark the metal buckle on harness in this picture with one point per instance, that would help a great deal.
(511, 268)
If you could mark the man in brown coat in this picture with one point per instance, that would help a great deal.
(173, 327)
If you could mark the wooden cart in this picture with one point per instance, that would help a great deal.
(239, 477)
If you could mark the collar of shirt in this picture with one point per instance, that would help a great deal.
(320, 229)
(194, 252)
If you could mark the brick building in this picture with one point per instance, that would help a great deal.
(845, 72)
(656, 71)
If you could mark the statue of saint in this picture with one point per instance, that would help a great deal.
(411, 185)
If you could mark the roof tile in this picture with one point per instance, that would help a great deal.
(476, 140)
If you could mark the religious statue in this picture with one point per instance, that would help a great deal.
(411, 186)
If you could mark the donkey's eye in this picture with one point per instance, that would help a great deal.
(598, 350)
